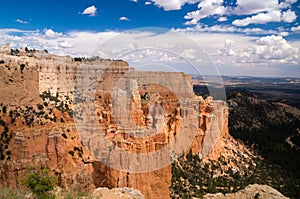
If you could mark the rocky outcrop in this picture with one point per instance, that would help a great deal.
(53, 148)
(144, 122)
(154, 184)
(96, 122)
(117, 193)
(251, 191)
(5, 49)
(19, 81)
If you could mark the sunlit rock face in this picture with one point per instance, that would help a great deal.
(106, 125)
(139, 121)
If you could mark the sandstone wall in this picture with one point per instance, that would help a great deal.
(115, 109)
(146, 113)
(19, 81)
(47, 148)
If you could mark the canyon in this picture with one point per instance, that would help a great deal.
(99, 123)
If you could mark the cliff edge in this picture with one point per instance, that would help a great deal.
(55, 111)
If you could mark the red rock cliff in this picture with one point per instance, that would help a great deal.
(125, 129)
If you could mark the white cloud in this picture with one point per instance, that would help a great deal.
(225, 29)
(135, 1)
(49, 33)
(172, 4)
(148, 3)
(257, 12)
(254, 6)
(296, 28)
(151, 56)
(246, 7)
(14, 30)
(206, 8)
(283, 34)
(168, 5)
(228, 48)
(271, 50)
(124, 19)
(221, 19)
(287, 3)
(21, 21)
(188, 53)
(261, 18)
(239, 54)
(91, 11)
(289, 16)
(64, 44)
(247, 51)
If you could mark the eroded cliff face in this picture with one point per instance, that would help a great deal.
(37, 128)
(96, 123)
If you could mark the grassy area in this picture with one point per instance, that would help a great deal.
(6, 193)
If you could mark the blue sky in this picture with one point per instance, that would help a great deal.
(65, 15)
(243, 37)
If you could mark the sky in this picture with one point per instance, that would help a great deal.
(235, 37)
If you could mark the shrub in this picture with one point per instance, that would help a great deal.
(71, 153)
(256, 196)
(4, 109)
(40, 106)
(40, 182)
(22, 66)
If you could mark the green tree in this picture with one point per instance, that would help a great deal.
(40, 182)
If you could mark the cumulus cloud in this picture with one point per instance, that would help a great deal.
(245, 7)
(64, 44)
(173, 4)
(221, 19)
(283, 34)
(205, 8)
(168, 5)
(75, 43)
(296, 28)
(49, 33)
(228, 48)
(135, 1)
(91, 11)
(151, 56)
(124, 19)
(286, 3)
(261, 18)
(21, 21)
(255, 12)
(289, 16)
(271, 50)
(251, 52)
(188, 53)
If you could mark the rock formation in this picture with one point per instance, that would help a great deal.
(95, 122)
(5, 49)
(117, 193)
(251, 191)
